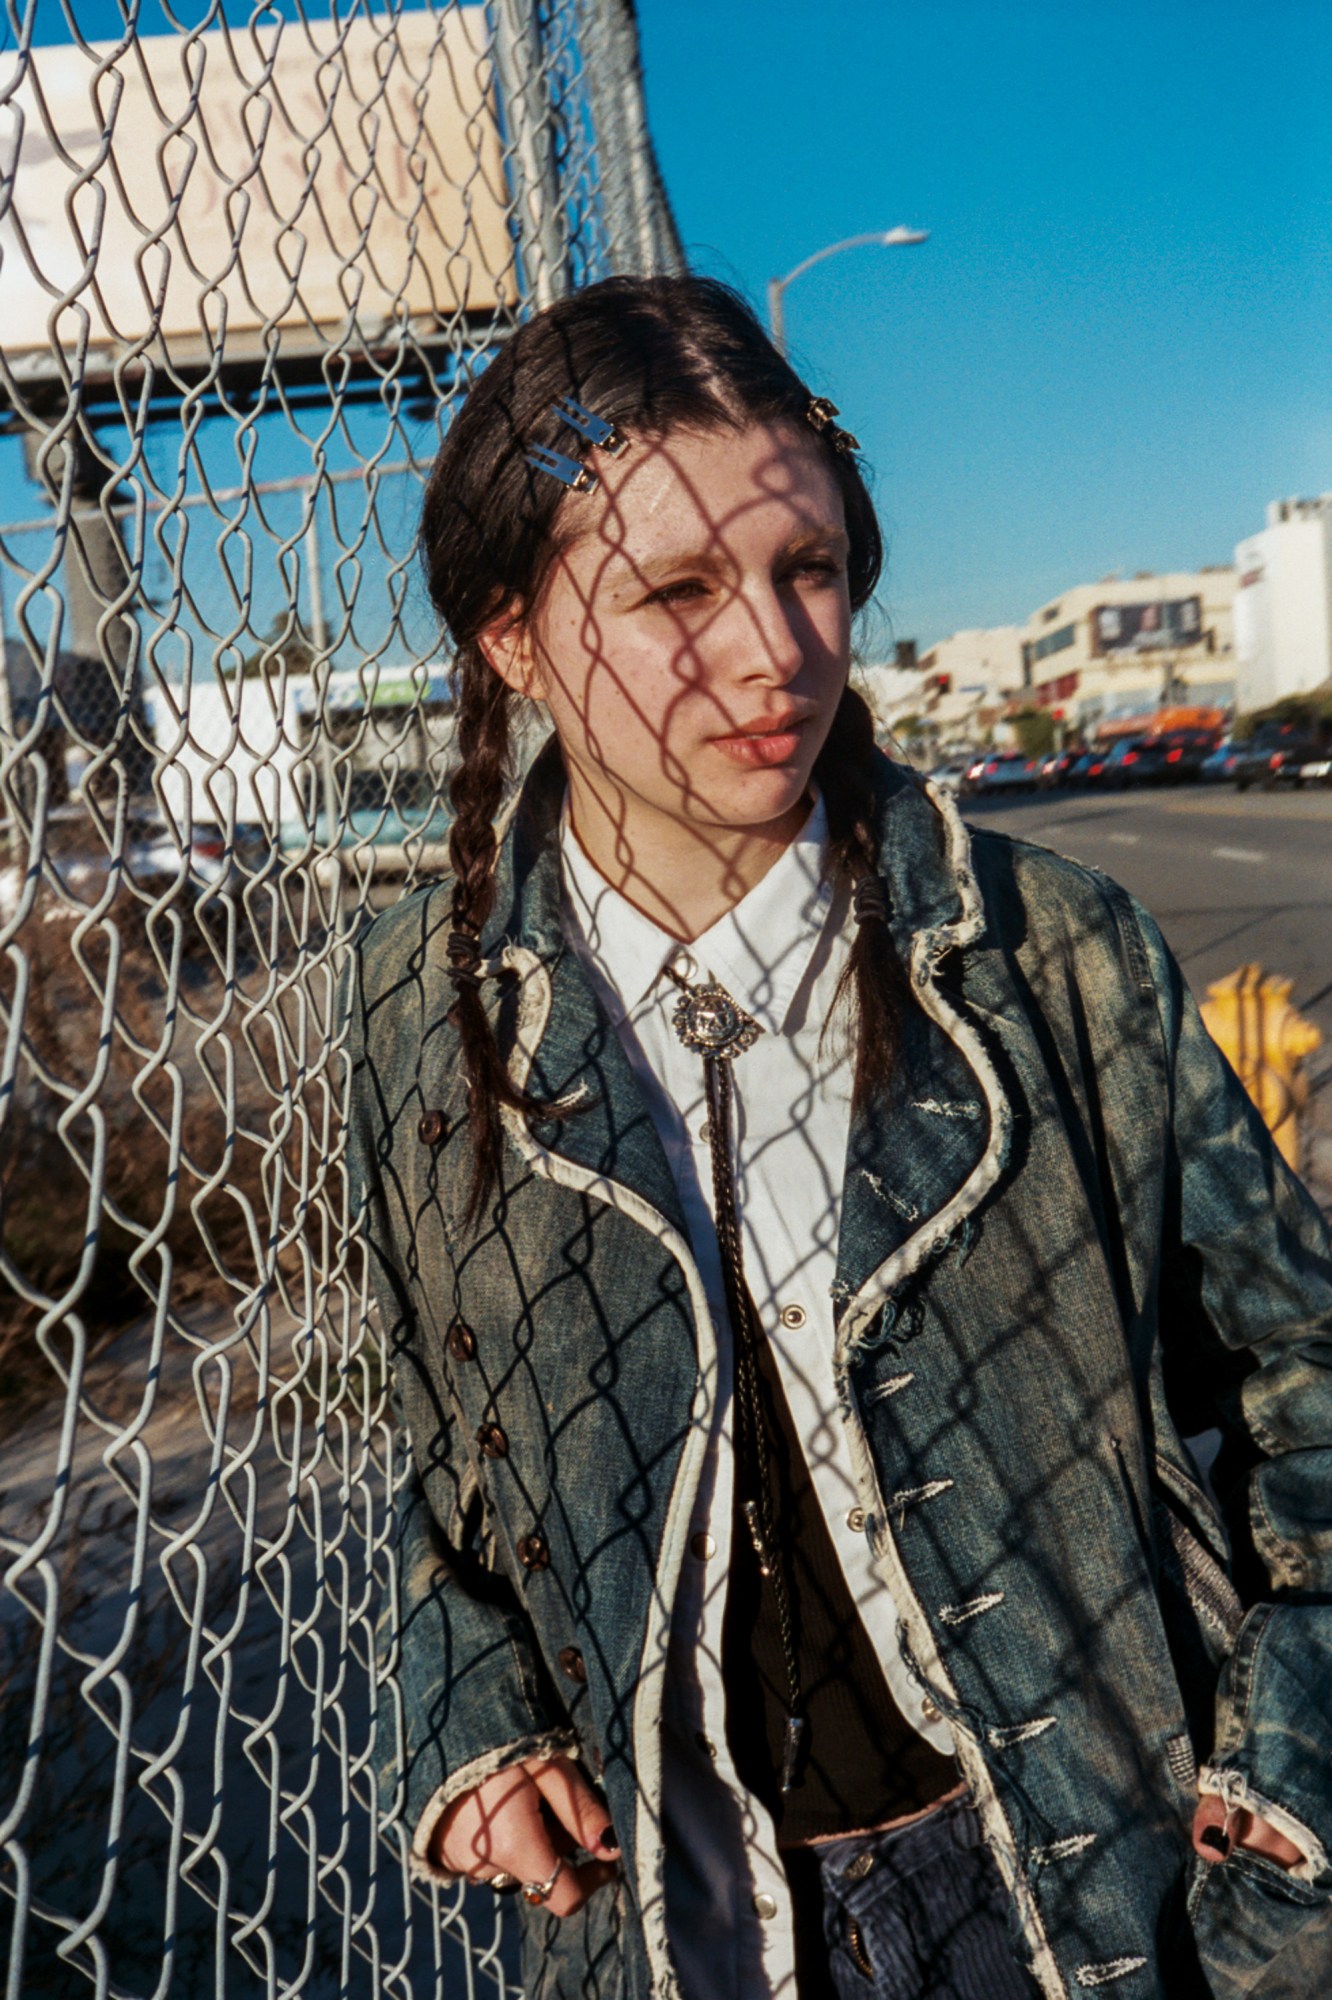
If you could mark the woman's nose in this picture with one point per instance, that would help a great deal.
(769, 645)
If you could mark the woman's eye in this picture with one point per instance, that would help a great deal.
(677, 593)
(820, 566)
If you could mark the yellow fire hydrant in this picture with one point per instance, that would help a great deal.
(1249, 1015)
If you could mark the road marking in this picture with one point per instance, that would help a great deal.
(1125, 839)
(1238, 854)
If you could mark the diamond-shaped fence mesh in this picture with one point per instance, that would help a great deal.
(247, 260)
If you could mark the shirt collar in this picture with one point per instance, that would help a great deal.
(760, 950)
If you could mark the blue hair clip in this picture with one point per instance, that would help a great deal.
(606, 437)
(568, 471)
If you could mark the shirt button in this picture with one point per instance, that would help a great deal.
(855, 1520)
(493, 1442)
(929, 1711)
(573, 1664)
(706, 1744)
(534, 1552)
(702, 1546)
(765, 1906)
(431, 1128)
(462, 1341)
(794, 1317)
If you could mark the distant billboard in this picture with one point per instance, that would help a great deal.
(224, 189)
(1145, 628)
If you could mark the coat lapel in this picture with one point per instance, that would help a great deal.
(605, 1128)
(926, 1151)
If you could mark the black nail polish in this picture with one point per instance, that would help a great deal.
(607, 1842)
(1217, 1839)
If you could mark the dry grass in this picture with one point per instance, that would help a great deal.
(219, 1200)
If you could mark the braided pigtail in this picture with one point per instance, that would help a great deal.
(874, 980)
(480, 777)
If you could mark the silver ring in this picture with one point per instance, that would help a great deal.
(537, 1893)
(499, 1883)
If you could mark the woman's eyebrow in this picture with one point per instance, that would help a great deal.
(648, 569)
(713, 557)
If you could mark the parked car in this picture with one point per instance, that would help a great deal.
(1221, 764)
(1119, 762)
(1275, 754)
(1089, 768)
(1003, 771)
(1056, 768)
(1179, 754)
(948, 777)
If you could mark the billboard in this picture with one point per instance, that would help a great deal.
(237, 183)
(1146, 628)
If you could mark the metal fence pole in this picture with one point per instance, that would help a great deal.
(525, 100)
(640, 226)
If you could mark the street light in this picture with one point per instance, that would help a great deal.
(889, 239)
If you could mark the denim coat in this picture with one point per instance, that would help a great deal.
(1066, 1243)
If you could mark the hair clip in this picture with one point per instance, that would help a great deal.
(569, 471)
(820, 414)
(606, 437)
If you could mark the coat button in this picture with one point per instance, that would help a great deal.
(855, 1520)
(702, 1546)
(573, 1664)
(794, 1317)
(765, 1907)
(929, 1711)
(462, 1341)
(432, 1127)
(492, 1441)
(706, 1745)
(534, 1551)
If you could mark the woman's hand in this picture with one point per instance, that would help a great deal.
(504, 1828)
(1215, 1832)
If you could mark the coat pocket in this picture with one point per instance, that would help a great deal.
(1187, 1537)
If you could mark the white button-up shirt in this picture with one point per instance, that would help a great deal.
(780, 953)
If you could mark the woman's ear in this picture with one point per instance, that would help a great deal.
(506, 642)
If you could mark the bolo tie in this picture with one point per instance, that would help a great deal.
(713, 1025)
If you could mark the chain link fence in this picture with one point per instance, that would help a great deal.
(247, 261)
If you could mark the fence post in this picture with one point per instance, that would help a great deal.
(640, 227)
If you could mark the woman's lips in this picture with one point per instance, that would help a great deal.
(766, 745)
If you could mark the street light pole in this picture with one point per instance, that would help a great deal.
(888, 239)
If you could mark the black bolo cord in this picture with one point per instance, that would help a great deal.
(696, 1030)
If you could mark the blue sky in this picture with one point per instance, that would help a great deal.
(1117, 345)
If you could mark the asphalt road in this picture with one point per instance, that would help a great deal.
(1230, 877)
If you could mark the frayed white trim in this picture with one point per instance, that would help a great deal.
(974, 1765)
(549, 1743)
(1021, 1732)
(1063, 1850)
(892, 1387)
(533, 1013)
(958, 1614)
(1113, 1968)
(1239, 1796)
(927, 949)
(911, 1496)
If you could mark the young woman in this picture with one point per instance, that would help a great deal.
(804, 1231)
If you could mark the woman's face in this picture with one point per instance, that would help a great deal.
(693, 640)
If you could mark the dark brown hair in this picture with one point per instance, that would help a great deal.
(651, 355)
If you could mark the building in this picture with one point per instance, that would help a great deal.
(1127, 645)
(987, 659)
(1283, 605)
